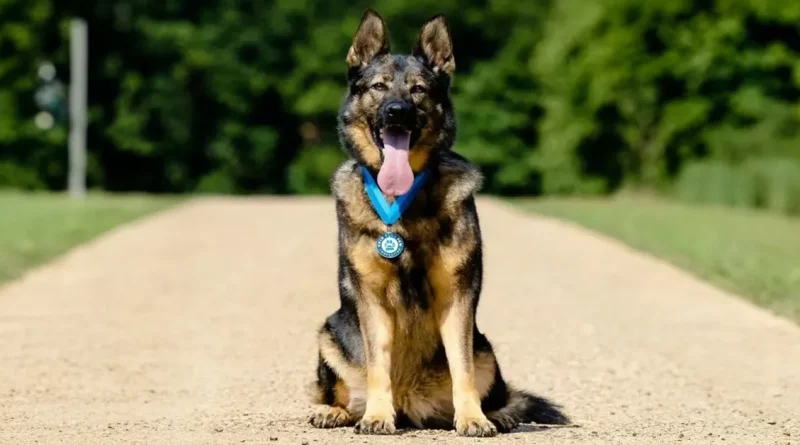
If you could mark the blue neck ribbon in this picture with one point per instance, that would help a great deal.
(391, 213)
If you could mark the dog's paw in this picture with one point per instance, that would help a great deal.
(474, 426)
(372, 424)
(330, 417)
(503, 422)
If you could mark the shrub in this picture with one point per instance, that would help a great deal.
(18, 177)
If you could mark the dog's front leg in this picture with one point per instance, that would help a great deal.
(377, 328)
(456, 327)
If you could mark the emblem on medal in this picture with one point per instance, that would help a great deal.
(390, 245)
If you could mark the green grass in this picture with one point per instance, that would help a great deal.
(756, 255)
(35, 227)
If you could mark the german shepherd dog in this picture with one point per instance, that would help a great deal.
(403, 350)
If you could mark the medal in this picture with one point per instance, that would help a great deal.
(390, 245)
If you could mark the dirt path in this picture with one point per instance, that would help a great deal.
(196, 326)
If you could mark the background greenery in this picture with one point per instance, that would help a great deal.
(693, 98)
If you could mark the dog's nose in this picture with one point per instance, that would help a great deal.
(395, 109)
(398, 112)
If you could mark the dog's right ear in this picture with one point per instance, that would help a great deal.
(371, 39)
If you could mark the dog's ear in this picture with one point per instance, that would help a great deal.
(435, 47)
(371, 39)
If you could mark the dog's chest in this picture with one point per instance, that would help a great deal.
(424, 272)
(402, 281)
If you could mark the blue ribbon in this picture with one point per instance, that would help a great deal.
(391, 213)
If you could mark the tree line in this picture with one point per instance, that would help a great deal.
(695, 98)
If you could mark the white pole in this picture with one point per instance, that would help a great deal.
(79, 58)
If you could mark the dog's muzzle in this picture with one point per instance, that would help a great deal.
(397, 113)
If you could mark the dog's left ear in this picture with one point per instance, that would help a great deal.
(435, 47)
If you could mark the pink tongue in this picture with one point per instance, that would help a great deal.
(395, 177)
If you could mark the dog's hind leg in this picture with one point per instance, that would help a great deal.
(327, 416)
(339, 385)
(525, 407)
(507, 407)
(331, 395)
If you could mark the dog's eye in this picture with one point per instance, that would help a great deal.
(418, 89)
(380, 86)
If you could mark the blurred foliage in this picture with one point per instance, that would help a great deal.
(567, 97)
(634, 89)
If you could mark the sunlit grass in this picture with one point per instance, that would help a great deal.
(35, 227)
(754, 254)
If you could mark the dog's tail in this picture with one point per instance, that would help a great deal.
(525, 407)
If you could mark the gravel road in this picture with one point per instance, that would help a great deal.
(197, 326)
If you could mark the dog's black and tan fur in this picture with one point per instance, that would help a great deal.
(404, 348)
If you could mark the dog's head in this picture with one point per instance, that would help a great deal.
(397, 115)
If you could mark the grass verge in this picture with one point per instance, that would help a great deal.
(35, 227)
(754, 254)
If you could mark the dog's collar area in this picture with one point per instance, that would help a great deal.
(389, 214)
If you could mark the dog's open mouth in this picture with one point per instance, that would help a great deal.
(377, 134)
(395, 177)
